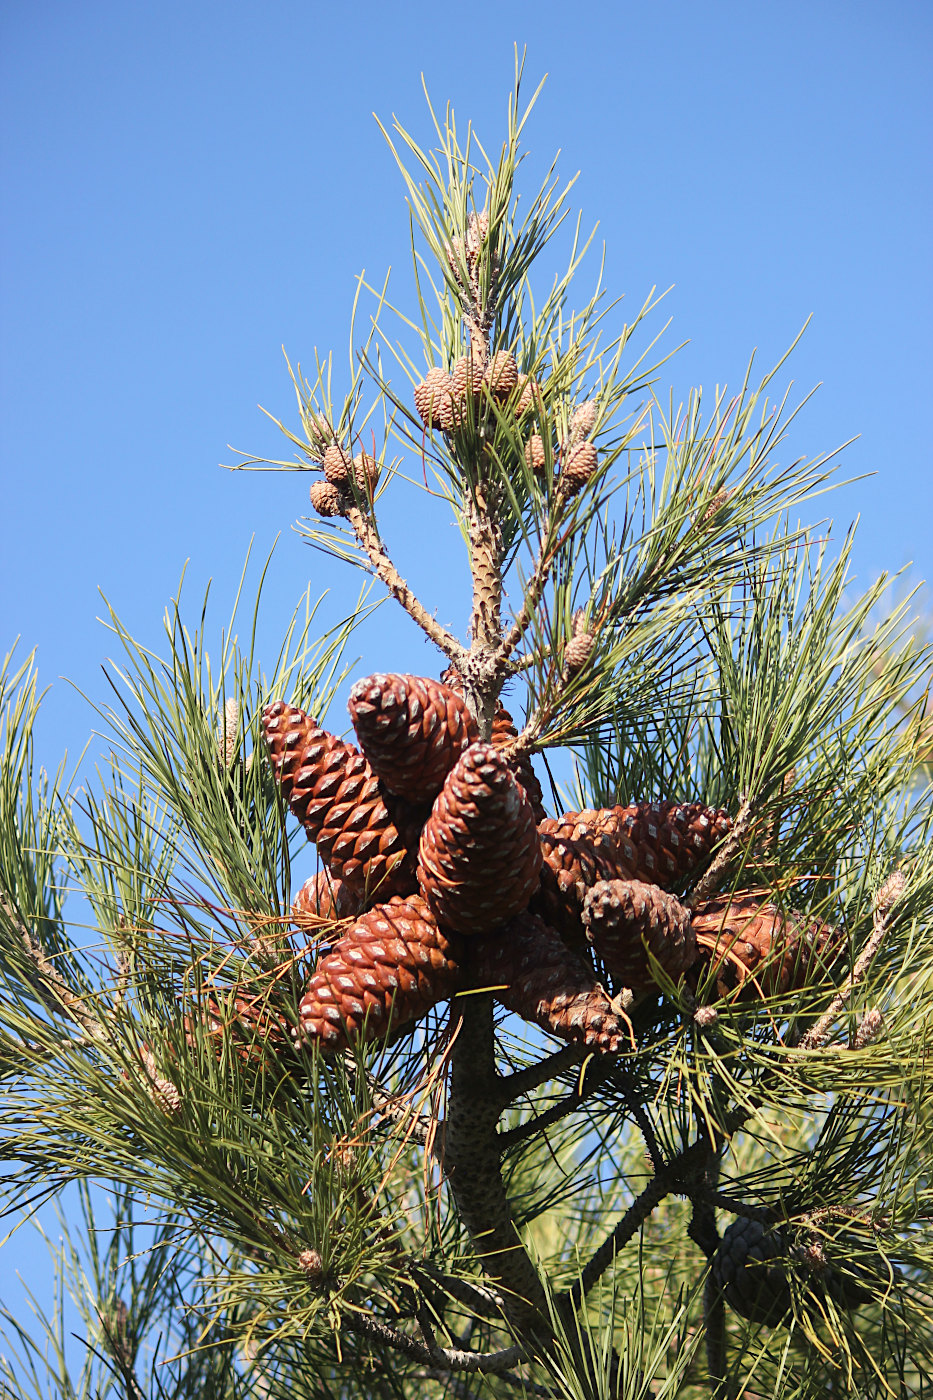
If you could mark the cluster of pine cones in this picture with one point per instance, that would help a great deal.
(439, 858)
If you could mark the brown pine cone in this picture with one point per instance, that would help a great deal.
(663, 843)
(501, 374)
(535, 453)
(466, 382)
(574, 860)
(255, 1028)
(433, 401)
(577, 653)
(336, 465)
(391, 966)
(322, 898)
(479, 858)
(533, 973)
(328, 499)
(412, 730)
(503, 732)
(749, 940)
(342, 806)
(583, 421)
(578, 466)
(366, 472)
(530, 395)
(625, 920)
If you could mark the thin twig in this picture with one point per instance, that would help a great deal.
(633, 1219)
(55, 993)
(484, 1301)
(709, 882)
(890, 892)
(445, 1358)
(386, 571)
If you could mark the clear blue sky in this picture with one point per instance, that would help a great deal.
(190, 186)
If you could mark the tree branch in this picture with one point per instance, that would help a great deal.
(512, 1086)
(429, 1353)
(386, 571)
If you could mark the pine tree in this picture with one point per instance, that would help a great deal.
(617, 1092)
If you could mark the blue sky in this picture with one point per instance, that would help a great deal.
(189, 187)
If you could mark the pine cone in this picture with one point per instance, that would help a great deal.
(577, 653)
(625, 920)
(573, 861)
(479, 857)
(391, 966)
(433, 401)
(342, 806)
(536, 975)
(743, 1269)
(327, 499)
(663, 843)
(255, 1028)
(748, 939)
(466, 382)
(336, 465)
(579, 465)
(412, 730)
(583, 421)
(530, 395)
(501, 374)
(535, 453)
(753, 1267)
(503, 732)
(322, 898)
(366, 472)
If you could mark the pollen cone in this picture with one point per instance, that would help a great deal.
(479, 858)
(535, 974)
(342, 806)
(412, 730)
(390, 967)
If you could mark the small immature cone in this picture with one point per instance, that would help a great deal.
(625, 920)
(536, 975)
(579, 465)
(501, 374)
(323, 898)
(746, 938)
(341, 804)
(412, 730)
(433, 401)
(479, 858)
(391, 966)
(328, 499)
(336, 465)
(583, 421)
(535, 454)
